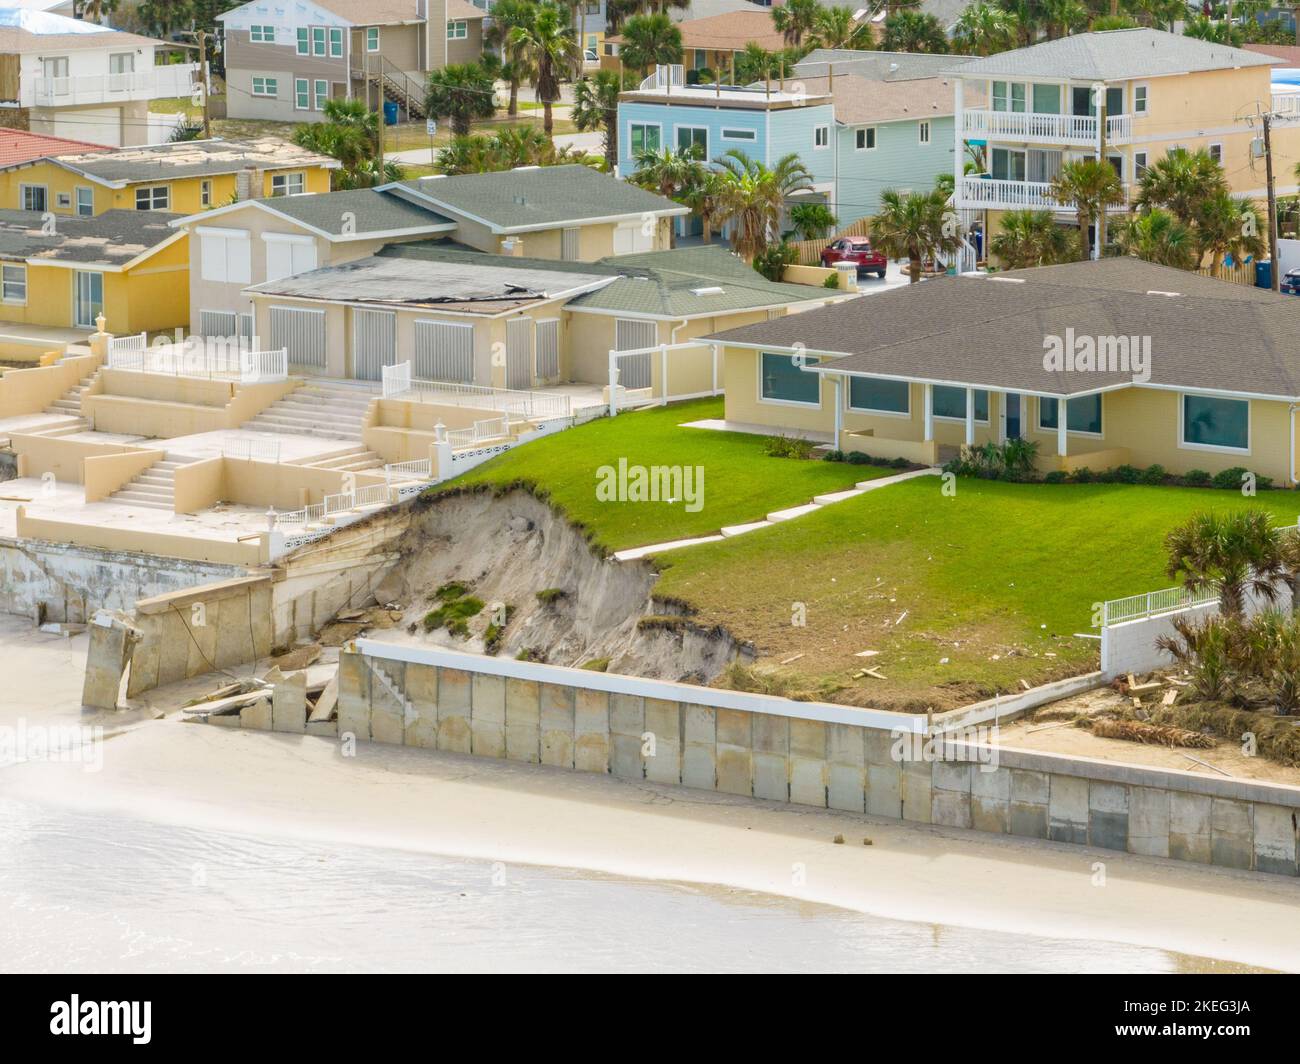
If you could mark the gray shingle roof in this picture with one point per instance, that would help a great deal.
(1112, 55)
(875, 66)
(539, 197)
(112, 238)
(989, 333)
(371, 211)
(195, 158)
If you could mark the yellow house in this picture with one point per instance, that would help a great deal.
(1153, 366)
(130, 266)
(1128, 96)
(186, 177)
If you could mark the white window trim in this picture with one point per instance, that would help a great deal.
(758, 384)
(1040, 427)
(317, 100)
(875, 138)
(22, 195)
(645, 125)
(848, 402)
(284, 177)
(76, 200)
(1146, 89)
(298, 40)
(821, 129)
(270, 87)
(297, 96)
(14, 302)
(962, 420)
(686, 125)
(324, 42)
(750, 139)
(460, 24)
(1211, 447)
(928, 139)
(150, 189)
(1209, 149)
(375, 31)
(335, 34)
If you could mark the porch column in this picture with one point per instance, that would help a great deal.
(970, 417)
(959, 152)
(1061, 415)
(928, 407)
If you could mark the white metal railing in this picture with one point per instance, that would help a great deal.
(666, 76)
(306, 516)
(207, 361)
(491, 429)
(417, 469)
(120, 347)
(176, 79)
(259, 367)
(999, 194)
(397, 384)
(1154, 603)
(371, 495)
(251, 449)
(1045, 128)
(632, 392)
(1286, 104)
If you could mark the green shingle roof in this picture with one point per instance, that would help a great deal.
(538, 197)
(371, 211)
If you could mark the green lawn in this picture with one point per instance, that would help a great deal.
(741, 483)
(996, 580)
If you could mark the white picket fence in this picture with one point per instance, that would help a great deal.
(209, 362)
(398, 384)
(251, 449)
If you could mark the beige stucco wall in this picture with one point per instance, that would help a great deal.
(594, 241)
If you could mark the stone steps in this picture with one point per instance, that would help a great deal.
(154, 488)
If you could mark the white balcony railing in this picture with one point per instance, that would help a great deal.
(1044, 128)
(155, 83)
(1286, 104)
(993, 194)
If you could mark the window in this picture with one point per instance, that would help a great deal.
(782, 381)
(224, 255)
(879, 396)
(950, 403)
(1139, 164)
(1139, 99)
(121, 63)
(304, 41)
(643, 137)
(322, 93)
(266, 87)
(457, 31)
(866, 139)
(301, 94)
(288, 255)
(85, 201)
(1082, 414)
(33, 197)
(336, 42)
(693, 139)
(318, 40)
(1008, 164)
(740, 134)
(63, 200)
(1009, 96)
(1216, 153)
(153, 198)
(372, 38)
(569, 239)
(88, 298)
(262, 34)
(205, 193)
(288, 184)
(1217, 424)
(821, 136)
(15, 284)
(923, 132)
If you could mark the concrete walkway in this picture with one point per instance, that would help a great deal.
(777, 516)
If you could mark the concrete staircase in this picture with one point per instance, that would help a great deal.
(67, 405)
(154, 488)
(354, 460)
(324, 410)
(70, 401)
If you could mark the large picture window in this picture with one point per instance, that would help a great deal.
(1082, 414)
(643, 137)
(782, 381)
(1209, 421)
(877, 395)
(950, 403)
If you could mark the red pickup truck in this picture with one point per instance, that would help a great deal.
(856, 249)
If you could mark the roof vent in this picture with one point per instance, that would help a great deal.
(712, 290)
(1160, 292)
(521, 201)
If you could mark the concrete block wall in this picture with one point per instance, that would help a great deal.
(771, 748)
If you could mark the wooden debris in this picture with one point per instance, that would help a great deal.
(1169, 698)
(327, 702)
(1024, 684)
(298, 658)
(792, 658)
(1138, 731)
(1206, 764)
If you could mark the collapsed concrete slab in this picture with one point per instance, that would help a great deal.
(113, 639)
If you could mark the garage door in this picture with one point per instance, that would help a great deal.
(101, 126)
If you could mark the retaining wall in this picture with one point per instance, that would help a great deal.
(807, 753)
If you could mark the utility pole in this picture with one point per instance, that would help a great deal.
(1274, 263)
(206, 83)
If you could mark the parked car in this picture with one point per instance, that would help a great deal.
(1289, 283)
(856, 249)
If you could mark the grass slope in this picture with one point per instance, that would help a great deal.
(1000, 571)
(741, 483)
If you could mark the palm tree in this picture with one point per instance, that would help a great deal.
(1182, 181)
(93, 10)
(983, 29)
(838, 27)
(350, 134)
(1091, 186)
(755, 63)
(795, 18)
(1061, 17)
(669, 173)
(506, 15)
(595, 106)
(912, 31)
(550, 52)
(649, 41)
(915, 226)
(1235, 554)
(461, 93)
(704, 197)
(1228, 226)
(753, 195)
(1157, 236)
(812, 220)
(1033, 238)
(504, 150)
(1219, 32)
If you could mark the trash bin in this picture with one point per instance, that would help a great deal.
(390, 113)
(1263, 273)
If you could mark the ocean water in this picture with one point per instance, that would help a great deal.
(91, 892)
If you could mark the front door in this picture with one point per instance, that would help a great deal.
(89, 299)
(1012, 405)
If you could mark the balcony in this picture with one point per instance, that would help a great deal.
(1044, 128)
(990, 194)
(156, 83)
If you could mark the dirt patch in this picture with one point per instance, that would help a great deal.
(545, 594)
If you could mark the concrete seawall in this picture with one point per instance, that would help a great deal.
(807, 753)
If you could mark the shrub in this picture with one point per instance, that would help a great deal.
(833, 281)
(595, 665)
(1128, 474)
(1083, 475)
(1154, 474)
(453, 615)
(833, 456)
(1230, 478)
(548, 596)
(772, 260)
(1196, 478)
(787, 447)
(453, 590)
(858, 458)
(1055, 476)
